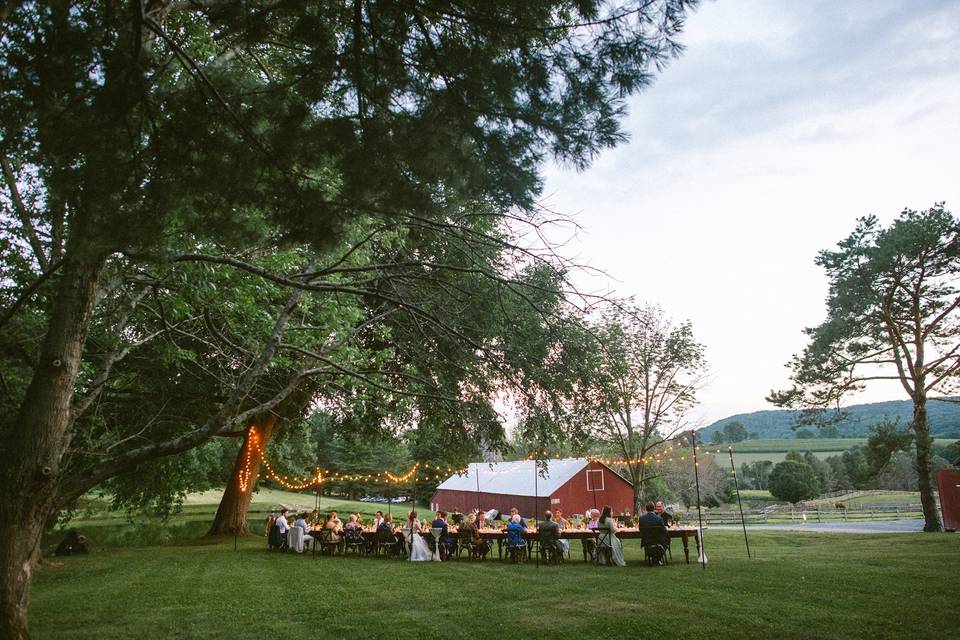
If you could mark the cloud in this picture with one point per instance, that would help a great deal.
(781, 124)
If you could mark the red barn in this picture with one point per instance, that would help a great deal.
(572, 484)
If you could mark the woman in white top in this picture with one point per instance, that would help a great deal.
(419, 549)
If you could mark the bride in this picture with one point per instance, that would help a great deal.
(419, 549)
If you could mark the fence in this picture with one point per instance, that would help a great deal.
(779, 514)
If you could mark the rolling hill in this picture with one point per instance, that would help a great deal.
(778, 423)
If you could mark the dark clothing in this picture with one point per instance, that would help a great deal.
(666, 517)
(650, 519)
(551, 528)
(445, 537)
(550, 536)
(440, 523)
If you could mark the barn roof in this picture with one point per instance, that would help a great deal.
(515, 478)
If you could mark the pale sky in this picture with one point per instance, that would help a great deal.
(781, 124)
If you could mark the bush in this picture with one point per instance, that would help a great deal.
(793, 481)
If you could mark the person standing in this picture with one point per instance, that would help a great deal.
(419, 549)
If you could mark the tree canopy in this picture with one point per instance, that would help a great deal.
(147, 149)
(892, 314)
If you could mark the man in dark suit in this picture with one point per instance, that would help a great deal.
(651, 519)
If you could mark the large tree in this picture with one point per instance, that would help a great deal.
(892, 314)
(128, 126)
(640, 384)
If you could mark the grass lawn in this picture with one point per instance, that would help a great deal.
(798, 586)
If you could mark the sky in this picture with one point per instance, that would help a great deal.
(781, 124)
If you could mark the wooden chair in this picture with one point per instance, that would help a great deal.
(655, 543)
(386, 544)
(327, 544)
(465, 543)
(353, 541)
(551, 552)
(603, 553)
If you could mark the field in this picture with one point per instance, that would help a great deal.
(798, 586)
(776, 450)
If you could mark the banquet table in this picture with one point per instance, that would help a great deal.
(628, 533)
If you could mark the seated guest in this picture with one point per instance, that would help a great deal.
(490, 516)
(445, 541)
(608, 538)
(282, 523)
(660, 511)
(516, 544)
(650, 519)
(594, 521)
(513, 512)
(550, 534)
(470, 528)
(302, 524)
(481, 520)
(353, 528)
(386, 534)
(315, 518)
(563, 523)
(377, 520)
(332, 524)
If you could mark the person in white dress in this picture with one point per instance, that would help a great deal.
(419, 549)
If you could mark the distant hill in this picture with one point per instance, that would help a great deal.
(778, 423)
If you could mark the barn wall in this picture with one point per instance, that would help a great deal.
(573, 496)
(466, 501)
(948, 481)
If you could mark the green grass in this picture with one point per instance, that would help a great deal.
(798, 586)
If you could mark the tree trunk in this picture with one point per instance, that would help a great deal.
(231, 515)
(35, 443)
(931, 519)
(637, 477)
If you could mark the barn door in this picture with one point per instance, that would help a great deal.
(595, 480)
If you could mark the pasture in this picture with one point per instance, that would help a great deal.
(797, 586)
(775, 450)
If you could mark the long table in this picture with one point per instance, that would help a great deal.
(684, 533)
(627, 533)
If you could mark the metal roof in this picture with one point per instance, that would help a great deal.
(515, 478)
